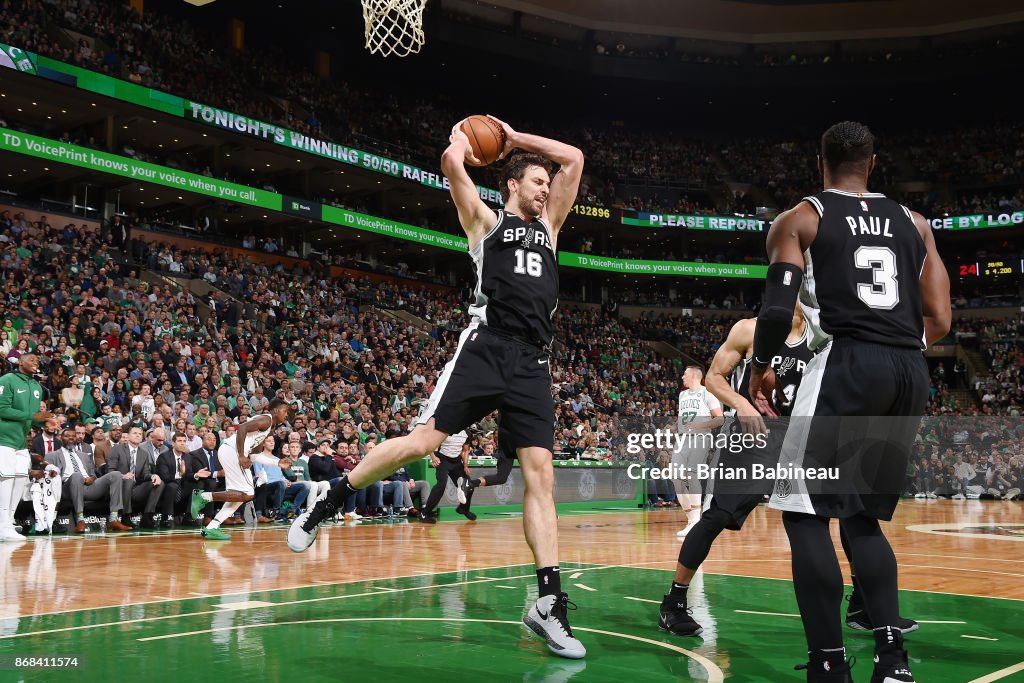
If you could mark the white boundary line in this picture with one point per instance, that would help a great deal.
(639, 565)
(653, 602)
(951, 530)
(318, 583)
(166, 617)
(1002, 673)
(767, 614)
(715, 674)
(980, 638)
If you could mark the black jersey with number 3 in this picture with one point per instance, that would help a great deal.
(516, 279)
(863, 270)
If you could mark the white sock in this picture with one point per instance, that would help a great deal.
(20, 482)
(206, 495)
(693, 516)
(692, 500)
(226, 511)
(6, 491)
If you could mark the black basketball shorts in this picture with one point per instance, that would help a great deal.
(735, 488)
(492, 371)
(857, 412)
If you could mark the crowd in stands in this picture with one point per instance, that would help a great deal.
(162, 52)
(968, 458)
(119, 351)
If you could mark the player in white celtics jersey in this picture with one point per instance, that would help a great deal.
(236, 456)
(698, 411)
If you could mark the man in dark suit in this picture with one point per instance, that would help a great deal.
(207, 474)
(81, 446)
(180, 376)
(81, 484)
(174, 469)
(47, 440)
(140, 484)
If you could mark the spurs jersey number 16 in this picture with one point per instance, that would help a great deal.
(516, 278)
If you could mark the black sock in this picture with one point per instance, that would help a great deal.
(332, 502)
(549, 581)
(342, 492)
(678, 590)
(474, 483)
(830, 661)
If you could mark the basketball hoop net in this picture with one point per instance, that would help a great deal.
(394, 27)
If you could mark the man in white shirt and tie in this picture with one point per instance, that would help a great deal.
(173, 468)
(136, 463)
(47, 441)
(207, 473)
(81, 484)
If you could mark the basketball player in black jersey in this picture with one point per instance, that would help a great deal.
(731, 501)
(727, 379)
(502, 359)
(875, 294)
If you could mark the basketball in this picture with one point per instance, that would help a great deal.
(486, 137)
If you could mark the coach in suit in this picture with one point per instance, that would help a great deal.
(80, 484)
(173, 467)
(207, 474)
(47, 440)
(139, 481)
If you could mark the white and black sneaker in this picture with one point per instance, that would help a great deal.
(460, 490)
(857, 617)
(306, 526)
(549, 620)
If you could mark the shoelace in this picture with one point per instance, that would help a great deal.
(320, 512)
(559, 612)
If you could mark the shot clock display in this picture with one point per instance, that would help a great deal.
(993, 268)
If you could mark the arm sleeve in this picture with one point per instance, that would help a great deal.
(776, 317)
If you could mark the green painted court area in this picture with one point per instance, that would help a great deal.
(464, 626)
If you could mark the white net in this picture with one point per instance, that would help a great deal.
(394, 27)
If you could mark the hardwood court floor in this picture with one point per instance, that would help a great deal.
(413, 602)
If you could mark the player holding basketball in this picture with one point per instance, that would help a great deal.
(699, 411)
(236, 457)
(502, 359)
(885, 298)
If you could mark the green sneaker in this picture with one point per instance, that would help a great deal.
(217, 534)
(197, 503)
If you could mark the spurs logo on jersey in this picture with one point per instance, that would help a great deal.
(527, 236)
(789, 366)
(784, 365)
(872, 265)
(516, 278)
